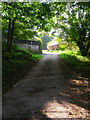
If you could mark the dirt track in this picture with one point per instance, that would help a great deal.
(41, 94)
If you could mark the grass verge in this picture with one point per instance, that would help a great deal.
(77, 62)
(15, 65)
(78, 87)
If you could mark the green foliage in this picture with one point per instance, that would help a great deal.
(27, 17)
(18, 55)
(62, 47)
(25, 54)
(78, 19)
(5, 28)
(70, 19)
(77, 62)
(6, 55)
(23, 34)
(16, 64)
(22, 19)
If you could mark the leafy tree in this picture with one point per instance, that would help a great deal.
(79, 24)
(10, 15)
(74, 23)
(25, 17)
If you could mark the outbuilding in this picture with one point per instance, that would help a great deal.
(53, 45)
(33, 45)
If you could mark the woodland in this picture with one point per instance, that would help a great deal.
(67, 22)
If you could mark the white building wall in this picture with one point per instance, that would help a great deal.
(33, 48)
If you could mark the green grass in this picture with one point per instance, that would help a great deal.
(16, 65)
(77, 62)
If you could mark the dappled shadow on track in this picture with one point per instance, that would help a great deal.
(42, 94)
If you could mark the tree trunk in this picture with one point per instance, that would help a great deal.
(12, 31)
(9, 31)
(82, 39)
(83, 49)
(84, 52)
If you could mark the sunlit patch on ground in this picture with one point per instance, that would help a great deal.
(47, 93)
(79, 89)
(79, 94)
(53, 109)
(78, 82)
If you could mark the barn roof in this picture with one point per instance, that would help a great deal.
(54, 43)
(27, 42)
(33, 41)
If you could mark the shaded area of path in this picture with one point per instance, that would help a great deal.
(41, 94)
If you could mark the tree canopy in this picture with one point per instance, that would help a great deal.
(73, 25)
(24, 20)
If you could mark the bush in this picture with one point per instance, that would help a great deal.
(6, 55)
(77, 62)
(15, 65)
(18, 53)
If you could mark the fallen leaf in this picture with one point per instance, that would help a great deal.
(70, 113)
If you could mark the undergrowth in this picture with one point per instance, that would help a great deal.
(15, 65)
(78, 88)
(77, 62)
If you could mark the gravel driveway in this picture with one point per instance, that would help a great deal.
(41, 94)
